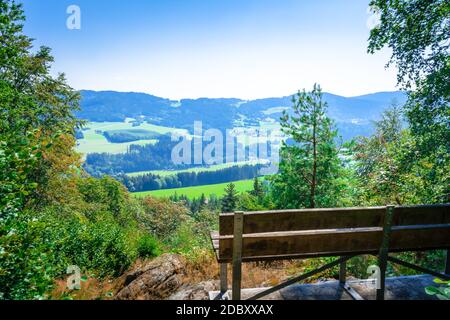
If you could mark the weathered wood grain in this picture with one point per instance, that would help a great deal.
(337, 218)
(337, 242)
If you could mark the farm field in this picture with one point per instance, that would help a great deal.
(196, 192)
(95, 142)
(166, 173)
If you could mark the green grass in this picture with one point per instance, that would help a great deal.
(166, 173)
(196, 192)
(94, 142)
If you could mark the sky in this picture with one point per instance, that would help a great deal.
(212, 48)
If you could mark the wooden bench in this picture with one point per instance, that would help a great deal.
(342, 233)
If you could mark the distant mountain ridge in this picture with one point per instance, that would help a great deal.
(353, 115)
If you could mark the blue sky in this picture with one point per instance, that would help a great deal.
(212, 48)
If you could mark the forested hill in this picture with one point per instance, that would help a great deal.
(352, 114)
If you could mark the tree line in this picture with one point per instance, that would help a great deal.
(149, 182)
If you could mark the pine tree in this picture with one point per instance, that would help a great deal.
(309, 165)
(229, 201)
(257, 191)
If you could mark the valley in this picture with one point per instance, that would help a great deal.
(118, 123)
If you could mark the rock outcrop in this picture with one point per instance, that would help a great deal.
(154, 280)
(195, 292)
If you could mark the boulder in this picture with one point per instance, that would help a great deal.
(154, 280)
(195, 292)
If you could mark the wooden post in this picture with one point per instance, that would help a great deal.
(447, 262)
(237, 255)
(223, 278)
(343, 272)
(384, 250)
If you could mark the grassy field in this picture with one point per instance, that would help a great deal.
(96, 142)
(196, 192)
(166, 173)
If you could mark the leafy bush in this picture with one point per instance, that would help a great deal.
(148, 247)
(161, 217)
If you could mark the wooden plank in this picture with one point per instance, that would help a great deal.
(419, 215)
(293, 220)
(384, 250)
(336, 218)
(343, 272)
(214, 237)
(301, 256)
(237, 255)
(447, 262)
(223, 278)
(336, 242)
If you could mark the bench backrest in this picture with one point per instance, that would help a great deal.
(331, 232)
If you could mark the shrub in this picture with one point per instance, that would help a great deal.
(26, 269)
(162, 217)
(148, 247)
(101, 246)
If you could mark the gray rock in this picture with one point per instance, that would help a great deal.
(154, 280)
(195, 292)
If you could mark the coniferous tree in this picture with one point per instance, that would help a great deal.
(229, 201)
(258, 190)
(309, 166)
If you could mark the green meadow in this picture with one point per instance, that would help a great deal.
(95, 142)
(196, 192)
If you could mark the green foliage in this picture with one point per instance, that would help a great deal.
(108, 195)
(101, 246)
(162, 217)
(25, 271)
(309, 165)
(258, 190)
(442, 292)
(36, 110)
(148, 247)
(418, 32)
(248, 202)
(229, 201)
(390, 171)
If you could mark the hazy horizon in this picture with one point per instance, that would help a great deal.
(239, 98)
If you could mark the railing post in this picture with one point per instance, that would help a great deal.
(384, 250)
(223, 278)
(447, 262)
(237, 255)
(343, 272)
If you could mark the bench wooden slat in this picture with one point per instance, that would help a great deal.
(317, 219)
(335, 242)
(214, 237)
